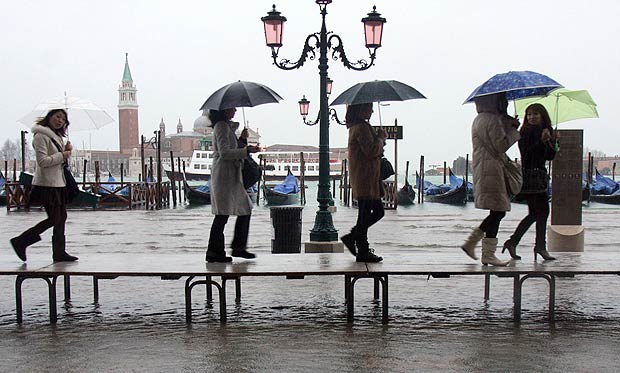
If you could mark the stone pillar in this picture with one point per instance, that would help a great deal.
(566, 232)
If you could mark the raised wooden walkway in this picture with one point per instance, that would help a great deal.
(297, 266)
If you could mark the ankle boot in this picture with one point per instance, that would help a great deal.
(469, 246)
(542, 251)
(21, 242)
(349, 241)
(489, 246)
(511, 246)
(58, 250)
(366, 254)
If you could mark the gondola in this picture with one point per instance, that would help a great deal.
(197, 195)
(604, 190)
(285, 193)
(406, 194)
(454, 196)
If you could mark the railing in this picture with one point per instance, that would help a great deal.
(139, 194)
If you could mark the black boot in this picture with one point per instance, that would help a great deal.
(58, 250)
(242, 253)
(366, 254)
(21, 242)
(511, 246)
(215, 250)
(349, 241)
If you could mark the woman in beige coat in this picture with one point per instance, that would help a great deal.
(228, 196)
(365, 152)
(49, 185)
(493, 133)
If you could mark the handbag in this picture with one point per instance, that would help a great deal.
(251, 172)
(513, 175)
(386, 168)
(71, 187)
(535, 181)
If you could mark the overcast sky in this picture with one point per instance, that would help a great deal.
(182, 51)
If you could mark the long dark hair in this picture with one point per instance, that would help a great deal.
(45, 122)
(354, 112)
(216, 116)
(540, 109)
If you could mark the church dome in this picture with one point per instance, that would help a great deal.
(201, 123)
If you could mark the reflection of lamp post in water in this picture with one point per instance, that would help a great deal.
(323, 41)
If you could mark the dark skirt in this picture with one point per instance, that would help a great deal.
(47, 196)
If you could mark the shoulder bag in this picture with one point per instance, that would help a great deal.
(71, 187)
(513, 175)
(386, 168)
(250, 171)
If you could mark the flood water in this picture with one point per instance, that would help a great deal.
(300, 325)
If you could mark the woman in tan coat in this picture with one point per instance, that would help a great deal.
(365, 152)
(493, 133)
(49, 185)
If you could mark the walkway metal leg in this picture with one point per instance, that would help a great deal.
(52, 297)
(376, 289)
(347, 285)
(238, 289)
(188, 299)
(487, 286)
(67, 283)
(18, 297)
(209, 290)
(223, 302)
(516, 299)
(351, 299)
(551, 280)
(385, 300)
(95, 289)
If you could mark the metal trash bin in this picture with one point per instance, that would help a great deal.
(285, 229)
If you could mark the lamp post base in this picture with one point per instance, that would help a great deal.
(323, 247)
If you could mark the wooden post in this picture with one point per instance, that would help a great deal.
(395, 168)
(302, 174)
(421, 185)
(179, 181)
(444, 172)
(23, 143)
(142, 162)
(159, 196)
(613, 172)
(466, 168)
(122, 173)
(14, 170)
(84, 173)
(172, 180)
(184, 195)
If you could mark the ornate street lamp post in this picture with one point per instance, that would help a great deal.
(322, 41)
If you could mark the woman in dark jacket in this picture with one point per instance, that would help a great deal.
(365, 149)
(536, 147)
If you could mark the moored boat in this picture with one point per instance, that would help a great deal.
(285, 193)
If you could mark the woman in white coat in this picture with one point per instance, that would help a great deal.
(228, 196)
(49, 185)
(493, 133)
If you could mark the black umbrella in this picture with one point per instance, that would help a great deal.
(240, 94)
(377, 91)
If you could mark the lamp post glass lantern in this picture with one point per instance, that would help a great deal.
(322, 42)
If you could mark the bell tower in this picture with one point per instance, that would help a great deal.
(127, 112)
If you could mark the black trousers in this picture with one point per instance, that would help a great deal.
(538, 212)
(369, 211)
(217, 242)
(490, 225)
(56, 217)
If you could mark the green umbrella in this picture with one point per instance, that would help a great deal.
(562, 104)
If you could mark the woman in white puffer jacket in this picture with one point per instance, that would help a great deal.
(48, 185)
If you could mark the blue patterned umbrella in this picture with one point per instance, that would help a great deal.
(516, 84)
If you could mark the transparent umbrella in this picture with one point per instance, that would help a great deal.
(83, 114)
